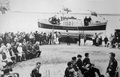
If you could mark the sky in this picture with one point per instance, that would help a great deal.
(14, 21)
(100, 6)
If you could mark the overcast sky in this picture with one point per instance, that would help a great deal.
(28, 21)
(100, 6)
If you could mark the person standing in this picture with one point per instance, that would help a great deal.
(50, 38)
(106, 40)
(112, 65)
(79, 38)
(68, 39)
(100, 40)
(59, 37)
(85, 39)
(37, 38)
(94, 39)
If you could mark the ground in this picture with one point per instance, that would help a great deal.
(54, 59)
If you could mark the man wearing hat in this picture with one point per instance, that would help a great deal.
(112, 65)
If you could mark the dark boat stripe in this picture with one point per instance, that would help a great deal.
(51, 26)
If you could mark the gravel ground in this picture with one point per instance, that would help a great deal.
(54, 59)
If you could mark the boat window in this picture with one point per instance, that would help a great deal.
(70, 23)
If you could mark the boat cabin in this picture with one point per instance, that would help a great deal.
(71, 22)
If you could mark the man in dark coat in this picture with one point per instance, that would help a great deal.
(80, 63)
(100, 40)
(50, 38)
(90, 69)
(68, 39)
(35, 71)
(106, 40)
(85, 21)
(112, 65)
(37, 38)
(74, 63)
(69, 71)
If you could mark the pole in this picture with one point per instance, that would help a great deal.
(53, 33)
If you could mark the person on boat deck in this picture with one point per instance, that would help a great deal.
(112, 65)
(85, 21)
(89, 20)
(54, 20)
(58, 21)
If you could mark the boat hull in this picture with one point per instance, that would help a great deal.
(101, 26)
(74, 32)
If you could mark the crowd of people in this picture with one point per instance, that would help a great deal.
(18, 47)
(54, 20)
(42, 38)
(84, 68)
(97, 41)
(21, 46)
(113, 41)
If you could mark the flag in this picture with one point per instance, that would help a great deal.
(67, 10)
(94, 14)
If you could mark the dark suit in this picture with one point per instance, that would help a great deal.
(79, 38)
(68, 73)
(112, 67)
(92, 69)
(86, 61)
(80, 64)
(35, 73)
(68, 40)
